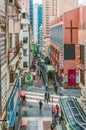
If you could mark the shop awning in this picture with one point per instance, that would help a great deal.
(50, 68)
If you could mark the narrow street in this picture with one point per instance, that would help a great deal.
(31, 117)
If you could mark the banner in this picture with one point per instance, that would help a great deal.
(71, 77)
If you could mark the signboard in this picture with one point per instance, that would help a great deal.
(28, 78)
(71, 77)
(33, 48)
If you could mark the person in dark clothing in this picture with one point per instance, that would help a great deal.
(45, 96)
(54, 83)
(24, 99)
(56, 87)
(40, 74)
(48, 97)
(40, 105)
(46, 86)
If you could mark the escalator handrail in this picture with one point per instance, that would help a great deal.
(66, 116)
(78, 110)
(81, 109)
(74, 117)
(61, 104)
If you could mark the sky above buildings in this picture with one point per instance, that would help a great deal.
(40, 1)
(37, 1)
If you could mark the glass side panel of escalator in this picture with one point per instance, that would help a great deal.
(68, 113)
(77, 127)
(79, 119)
(71, 103)
(71, 121)
(75, 111)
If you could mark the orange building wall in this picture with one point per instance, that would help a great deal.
(68, 16)
(73, 16)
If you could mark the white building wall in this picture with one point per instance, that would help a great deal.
(25, 33)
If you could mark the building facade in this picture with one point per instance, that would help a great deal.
(35, 22)
(31, 13)
(82, 48)
(25, 39)
(39, 19)
(3, 64)
(53, 9)
(65, 62)
(13, 46)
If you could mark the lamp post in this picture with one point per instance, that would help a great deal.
(52, 109)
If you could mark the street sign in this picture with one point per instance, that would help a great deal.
(33, 48)
(28, 78)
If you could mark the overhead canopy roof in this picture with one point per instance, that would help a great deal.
(50, 68)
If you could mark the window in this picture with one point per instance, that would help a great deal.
(25, 39)
(82, 78)
(23, 15)
(25, 64)
(16, 39)
(82, 53)
(69, 51)
(24, 52)
(11, 1)
(21, 26)
(10, 40)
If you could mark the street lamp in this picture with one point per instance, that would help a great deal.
(34, 75)
(52, 109)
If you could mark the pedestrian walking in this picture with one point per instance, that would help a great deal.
(53, 112)
(45, 96)
(57, 110)
(24, 99)
(46, 86)
(40, 105)
(48, 95)
(40, 74)
(56, 87)
(37, 72)
(54, 83)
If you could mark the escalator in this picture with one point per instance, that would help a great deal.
(73, 114)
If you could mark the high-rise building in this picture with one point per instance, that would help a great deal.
(25, 5)
(39, 16)
(35, 22)
(31, 13)
(51, 10)
(65, 5)
(39, 19)
(25, 35)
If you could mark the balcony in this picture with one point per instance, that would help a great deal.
(14, 52)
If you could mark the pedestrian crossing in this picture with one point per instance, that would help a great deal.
(34, 97)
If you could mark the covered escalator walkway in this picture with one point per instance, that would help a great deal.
(73, 114)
